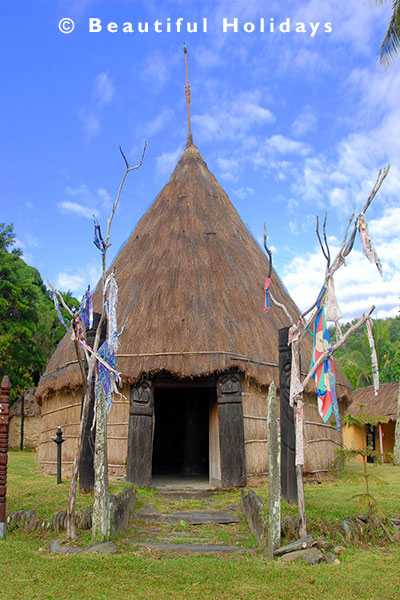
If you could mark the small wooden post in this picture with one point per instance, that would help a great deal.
(274, 471)
(4, 416)
(21, 441)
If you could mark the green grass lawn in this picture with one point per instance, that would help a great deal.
(29, 571)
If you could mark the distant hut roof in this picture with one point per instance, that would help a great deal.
(190, 283)
(31, 408)
(384, 403)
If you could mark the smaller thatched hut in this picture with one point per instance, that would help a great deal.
(380, 437)
(25, 421)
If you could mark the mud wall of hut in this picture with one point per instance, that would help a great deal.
(64, 409)
(31, 432)
(320, 439)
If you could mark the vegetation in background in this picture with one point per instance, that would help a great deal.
(391, 42)
(354, 357)
(365, 501)
(29, 327)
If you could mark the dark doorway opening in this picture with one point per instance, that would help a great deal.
(181, 433)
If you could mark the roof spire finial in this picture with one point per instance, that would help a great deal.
(187, 91)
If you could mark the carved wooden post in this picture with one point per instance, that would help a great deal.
(231, 430)
(140, 436)
(288, 438)
(4, 416)
(274, 471)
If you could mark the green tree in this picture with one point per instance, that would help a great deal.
(29, 326)
(391, 42)
(354, 358)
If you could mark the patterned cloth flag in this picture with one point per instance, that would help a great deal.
(325, 374)
(105, 377)
(267, 304)
(111, 288)
(86, 309)
(98, 238)
(53, 296)
(368, 246)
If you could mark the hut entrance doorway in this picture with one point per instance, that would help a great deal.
(181, 432)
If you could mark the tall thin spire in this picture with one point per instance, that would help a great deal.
(187, 91)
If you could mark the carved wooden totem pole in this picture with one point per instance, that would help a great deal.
(231, 430)
(140, 436)
(288, 439)
(4, 416)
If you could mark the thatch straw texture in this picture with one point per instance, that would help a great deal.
(384, 403)
(190, 282)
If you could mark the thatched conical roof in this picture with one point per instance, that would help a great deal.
(190, 283)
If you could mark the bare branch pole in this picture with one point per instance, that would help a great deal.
(298, 331)
(91, 361)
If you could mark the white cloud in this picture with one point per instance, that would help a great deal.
(305, 122)
(233, 119)
(71, 283)
(283, 145)
(104, 90)
(244, 192)
(166, 161)
(358, 285)
(90, 122)
(159, 123)
(85, 202)
(77, 282)
(66, 206)
(154, 71)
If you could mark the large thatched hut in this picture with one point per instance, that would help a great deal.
(197, 354)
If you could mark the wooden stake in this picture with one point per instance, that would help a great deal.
(274, 471)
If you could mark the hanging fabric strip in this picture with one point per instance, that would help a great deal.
(335, 404)
(86, 309)
(98, 238)
(368, 246)
(267, 304)
(53, 296)
(331, 304)
(107, 377)
(374, 358)
(111, 288)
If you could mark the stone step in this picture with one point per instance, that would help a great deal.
(192, 548)
(189, 517)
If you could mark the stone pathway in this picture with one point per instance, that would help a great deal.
(202, 531)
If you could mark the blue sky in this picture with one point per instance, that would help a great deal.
(292, 123)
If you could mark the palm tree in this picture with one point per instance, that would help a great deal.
(391, 42)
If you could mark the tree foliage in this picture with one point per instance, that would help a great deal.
(29, 327)
(391, 42)
(354, 357)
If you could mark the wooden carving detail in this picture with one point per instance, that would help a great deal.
(140, 435)
(231, 430)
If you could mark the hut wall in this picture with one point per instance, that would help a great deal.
(388, 437)
(63, 409)
(354, 437)
(117, 434)
(31, 432)
(320, 439)
(255, 428)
